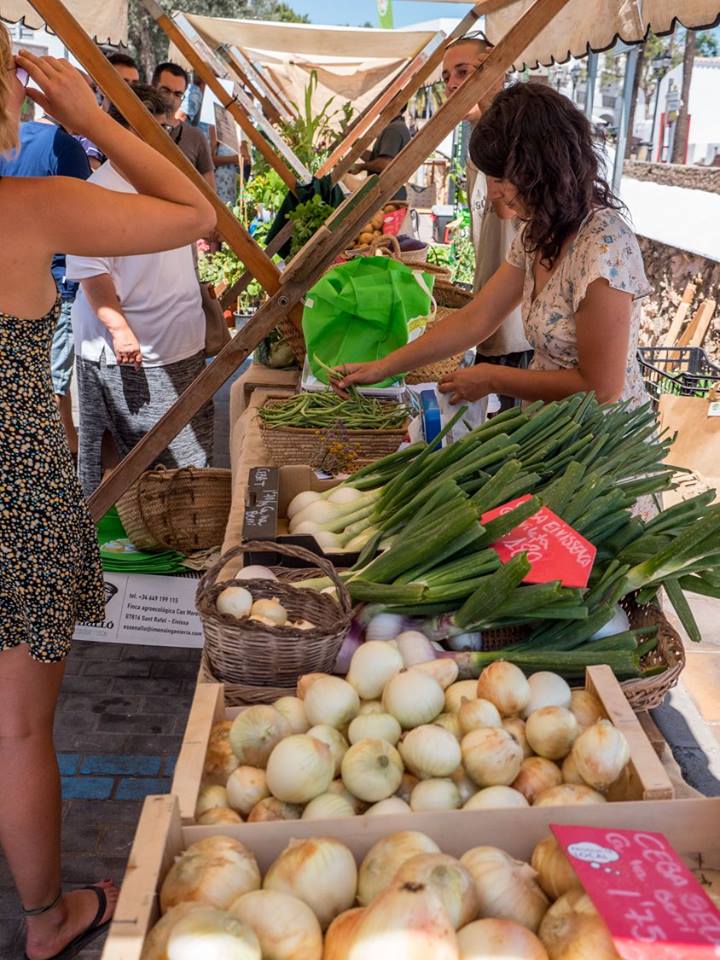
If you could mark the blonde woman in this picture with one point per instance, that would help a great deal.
(50, 573)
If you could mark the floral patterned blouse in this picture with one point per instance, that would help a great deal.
(604, 246)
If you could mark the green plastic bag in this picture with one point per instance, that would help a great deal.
(363, 310)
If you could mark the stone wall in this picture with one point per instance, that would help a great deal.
(675, 175)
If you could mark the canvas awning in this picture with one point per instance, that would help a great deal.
(105, 20)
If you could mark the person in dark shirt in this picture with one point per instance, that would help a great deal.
(171, 82)
(388, 145)
(47, 150)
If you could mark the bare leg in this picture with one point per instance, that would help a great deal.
(64, 402)
(30, 802)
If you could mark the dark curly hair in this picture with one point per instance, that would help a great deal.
(538, 140)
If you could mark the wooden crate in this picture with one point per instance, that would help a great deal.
(689, 825)
(648, 779)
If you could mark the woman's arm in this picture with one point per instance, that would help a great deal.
(467, 327)
(105, 303)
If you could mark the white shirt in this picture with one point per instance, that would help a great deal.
(159, 293)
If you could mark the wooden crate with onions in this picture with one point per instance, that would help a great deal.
(199, 768)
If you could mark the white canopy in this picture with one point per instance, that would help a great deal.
(105, 20)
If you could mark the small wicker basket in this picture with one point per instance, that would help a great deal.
(256, 661)
(184, 509)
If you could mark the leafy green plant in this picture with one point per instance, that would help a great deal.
(311, 134)
(307, 219)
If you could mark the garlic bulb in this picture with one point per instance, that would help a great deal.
(331, 701)
(554, 873)
(339, 934)
(516, 727)
(477, 713)
(536, 775)
(220, 761)
(271, 609)
(372, 665)
(306, 681)
(273, 809)
(339, 789)
(407, 785)
(370, 706)
(218, 815)
(213, 933)
(300, 768)
(506, 888)
(429, 751)
(547, 690)
(414, 647)
(448, 879)
(436, 794)
(413, 698)
(499, 940)
(568, 793)
(491, 756)
(466, 787)
(214, 871)
(155, 947)
(504, 684)
(255, 733)
(600, 753)
(444, 670)
(328, 806)
(572, 929)
(586, 707)
(384, 627)
(210, 797)
(387, 807)
(320, 871)
(246, 787)
(334, 740)
(286, 928)
(372, 770)
(235, 602)
(450, 722)
(408, 921)
(255, 571)
(494, 797)
(551, 732)
(457, 692)
(569, 770)
(293, 709)
(384, 859)
(376, 726)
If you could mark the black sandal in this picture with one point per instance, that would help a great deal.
(89, 934)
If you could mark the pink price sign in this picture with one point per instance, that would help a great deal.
(653, 906)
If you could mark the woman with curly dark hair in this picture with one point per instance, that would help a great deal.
(574, 267)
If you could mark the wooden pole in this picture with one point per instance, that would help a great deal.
(319, 252)
(62, 23)
(271, 111)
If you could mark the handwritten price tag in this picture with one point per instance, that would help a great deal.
(554, 549)
(653, 906)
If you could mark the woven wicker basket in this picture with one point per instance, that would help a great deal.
(185, 509)
(294, 338)
(257, 660)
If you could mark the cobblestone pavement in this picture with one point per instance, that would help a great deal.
(118, 730)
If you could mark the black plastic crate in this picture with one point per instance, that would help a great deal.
(683, 371)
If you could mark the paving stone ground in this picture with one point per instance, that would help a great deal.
(118, 730)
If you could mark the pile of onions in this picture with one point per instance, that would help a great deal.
(506, 888)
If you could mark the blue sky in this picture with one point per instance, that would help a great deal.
(357, 12)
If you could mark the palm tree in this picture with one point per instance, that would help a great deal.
(682, 128)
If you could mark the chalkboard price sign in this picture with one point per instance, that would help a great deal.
(261, 507)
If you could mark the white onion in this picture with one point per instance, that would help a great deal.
(477, 713)
(214, 871)
(506, 888)
(448, 879)
(273, 809)
(339, 789)
(618, 623)
(449, 722)
(384, 859)
(516, 728)
(551, 732)
(328, 806)
(505, 685)
(339, 934)
(371, 667)
(572, 929)
(300, 768)
(413, 698)
(430, 751)
(587, 708)
(466, 787)
(220, 761)
(465, 641)
(459, 691)
(293, 709)
(255, 733)
(491, 939)
(210, 797)
(370, 706)
(536, 775)
(334, 740)
(306, 681)
(319, 511)
(325, 538)
(218, 815)
(377, 726)
(301, 501)
(568, 793)
(320, 871)
(547, 690)
(600, 754)
(372, 770)
(388, 806)
(407, 785)
(554, 873)
(286, 928)
(212, 933)
(270, 609)
(384, 626)
(235, 602)
(332, 701)
(444, 670)
(493, 797)
(345, 495)
(155, 946)
(255, 572)
(414, 647)
(435, 794)
(246, 787)
(491, 756)
(569, 770)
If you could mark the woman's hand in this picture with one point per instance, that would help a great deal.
(126, 348)
(350, 374)
(63, 95)
(468, 383)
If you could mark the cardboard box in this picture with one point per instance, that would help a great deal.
(691, 826)
(648, 779)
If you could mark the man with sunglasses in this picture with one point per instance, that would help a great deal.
(492, 225)
(171, 81)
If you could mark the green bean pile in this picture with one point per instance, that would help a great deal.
(327, 409)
